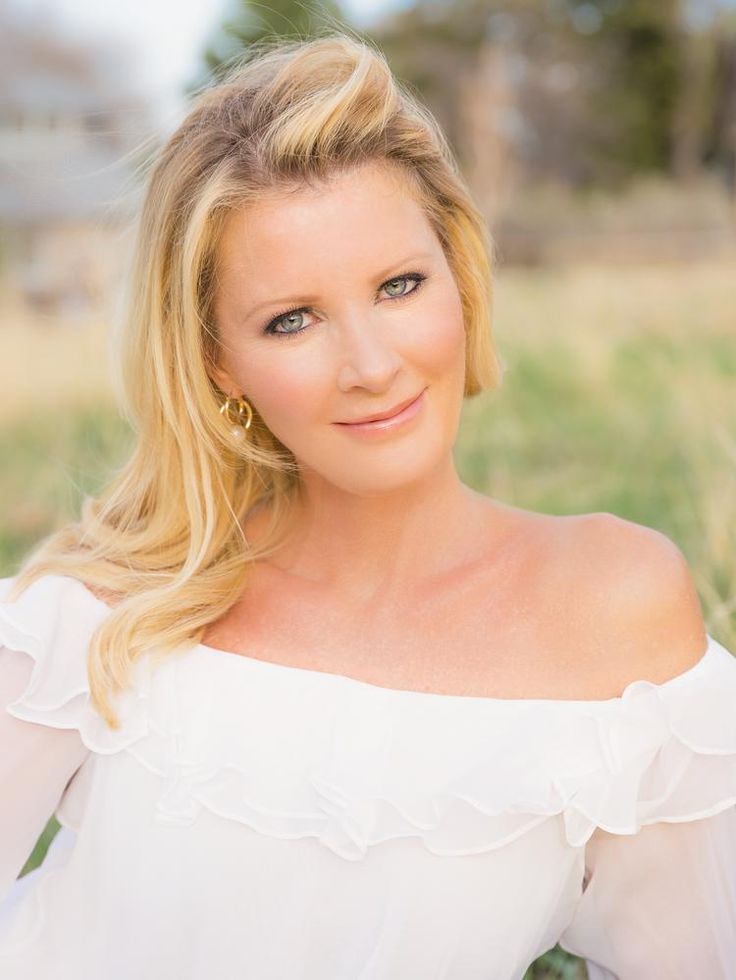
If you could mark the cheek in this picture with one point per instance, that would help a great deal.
(291, 390)
(286, 397)
(443, 351)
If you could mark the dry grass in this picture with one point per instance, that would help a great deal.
(619, 395)
(51, 363)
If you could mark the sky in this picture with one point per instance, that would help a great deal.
(166, 36)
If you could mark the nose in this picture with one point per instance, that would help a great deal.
(367, 354)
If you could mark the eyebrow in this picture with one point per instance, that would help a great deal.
(303, 300)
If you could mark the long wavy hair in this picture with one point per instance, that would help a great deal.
(165, 536)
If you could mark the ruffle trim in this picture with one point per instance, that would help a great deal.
(355, 765)
(53, 621)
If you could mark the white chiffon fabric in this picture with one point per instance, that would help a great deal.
(255, 820)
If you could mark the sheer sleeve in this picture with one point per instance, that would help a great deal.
(657, 819)
(50, 731)
(36, 764)
(659, 904)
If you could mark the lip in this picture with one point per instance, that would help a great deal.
(401, 416)
(391, 413)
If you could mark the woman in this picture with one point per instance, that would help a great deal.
(306, 705)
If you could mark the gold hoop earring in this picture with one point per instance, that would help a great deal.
(241, 408)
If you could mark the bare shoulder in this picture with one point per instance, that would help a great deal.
(104, 595)
(640, 592)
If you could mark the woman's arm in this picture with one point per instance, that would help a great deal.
(660, 904)
(36, 764)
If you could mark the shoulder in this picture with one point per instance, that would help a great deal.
(105, 596)
(640, 593)
(51, 618)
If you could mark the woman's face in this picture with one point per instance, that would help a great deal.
(336, 303)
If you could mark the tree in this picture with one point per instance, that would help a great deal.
(252, 21)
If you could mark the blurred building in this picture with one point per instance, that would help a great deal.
(70, 141)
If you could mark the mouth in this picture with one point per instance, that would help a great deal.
(386, 421)
(381, 416)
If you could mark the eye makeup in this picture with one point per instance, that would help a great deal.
(417, 277)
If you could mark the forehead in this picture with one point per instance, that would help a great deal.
(358, 213)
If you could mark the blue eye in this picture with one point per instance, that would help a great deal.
(289, 315)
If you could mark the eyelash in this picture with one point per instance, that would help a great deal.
(417, 277)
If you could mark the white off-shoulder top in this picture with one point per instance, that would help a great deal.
(255, 820)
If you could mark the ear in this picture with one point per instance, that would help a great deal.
(222, 379)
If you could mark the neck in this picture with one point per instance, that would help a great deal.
(364, 547)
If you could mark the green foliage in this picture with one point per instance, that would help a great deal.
(50, 831)
(641, 44)
(557, 965)
(650, 91)
(609, 403)
(50, 468)
(252, 21)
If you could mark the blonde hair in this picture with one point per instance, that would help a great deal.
(165, 535)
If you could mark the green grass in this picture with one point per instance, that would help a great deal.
(619, 395)
(50, 463)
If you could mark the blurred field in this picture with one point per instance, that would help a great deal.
(619, 395)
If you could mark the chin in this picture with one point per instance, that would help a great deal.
(378, 470)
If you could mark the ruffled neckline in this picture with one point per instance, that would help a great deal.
(293, 752)
(241, 661)
(308, 675)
